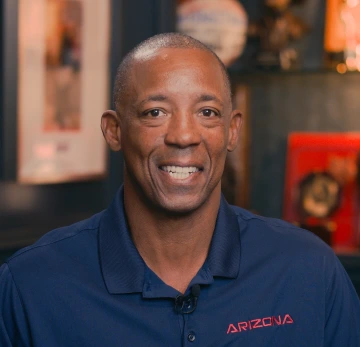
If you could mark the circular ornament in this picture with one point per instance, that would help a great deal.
(219, 24)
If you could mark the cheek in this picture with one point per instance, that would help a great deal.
(138, 144)
(217, 141)
(217, 151)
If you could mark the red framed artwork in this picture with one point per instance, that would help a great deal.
(322, 186)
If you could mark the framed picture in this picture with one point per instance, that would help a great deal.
(63, 88)
(342, 35)
(322, 187)
(236, 177)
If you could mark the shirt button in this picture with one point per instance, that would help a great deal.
(188, 305)
(191, 337)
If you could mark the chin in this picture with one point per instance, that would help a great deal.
(182, 205)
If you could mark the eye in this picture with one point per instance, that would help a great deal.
(209, 113)
(154, 113)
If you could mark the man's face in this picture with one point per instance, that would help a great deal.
(175, 126)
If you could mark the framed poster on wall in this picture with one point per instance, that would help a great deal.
(342, 35)
(63, 88)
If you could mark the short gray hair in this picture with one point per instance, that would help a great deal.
(166, 40)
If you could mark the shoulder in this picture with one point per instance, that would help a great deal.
(64, 239)
(278, 245)
(279, 235)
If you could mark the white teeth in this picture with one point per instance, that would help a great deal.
(179, 175)
(179, 172)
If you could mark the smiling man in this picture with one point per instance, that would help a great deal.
(170, 263)
(174, 123)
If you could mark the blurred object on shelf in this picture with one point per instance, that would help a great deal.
(319, 195)
(322, 186)
(276, 30)
(219, 24)
(343, 169)
(342, 35)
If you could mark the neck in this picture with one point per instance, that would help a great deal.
(173, 246)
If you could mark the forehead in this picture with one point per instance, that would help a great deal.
(176, 70)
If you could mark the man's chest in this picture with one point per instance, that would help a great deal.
(228, 313)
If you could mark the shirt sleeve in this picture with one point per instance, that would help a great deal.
(342, 326)
(13, 324)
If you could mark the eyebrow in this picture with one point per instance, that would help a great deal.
(209, 97)
(156, 97)
(200, 98)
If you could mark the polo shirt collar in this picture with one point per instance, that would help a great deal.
(124, 270)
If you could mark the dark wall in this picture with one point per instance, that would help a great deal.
(284, 102)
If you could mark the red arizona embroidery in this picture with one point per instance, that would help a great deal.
(259, 323)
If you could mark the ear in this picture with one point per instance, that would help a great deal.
(234, 130)
(110, 127)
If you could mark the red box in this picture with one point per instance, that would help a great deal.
(325, 164)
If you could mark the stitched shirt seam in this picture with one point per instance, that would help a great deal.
(50, 243)
(19, 296)
(269, 222)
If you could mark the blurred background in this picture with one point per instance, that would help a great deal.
(294, 67)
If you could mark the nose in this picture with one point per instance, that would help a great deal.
(183, 130)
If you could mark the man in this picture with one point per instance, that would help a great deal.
(170, 263)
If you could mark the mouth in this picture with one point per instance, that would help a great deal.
(180, 172)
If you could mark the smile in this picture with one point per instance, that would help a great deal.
(179, 172)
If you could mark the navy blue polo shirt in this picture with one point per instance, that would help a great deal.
(264, 283)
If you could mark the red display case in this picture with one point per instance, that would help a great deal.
(322, 186)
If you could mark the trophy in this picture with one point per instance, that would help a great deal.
(275, 31)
